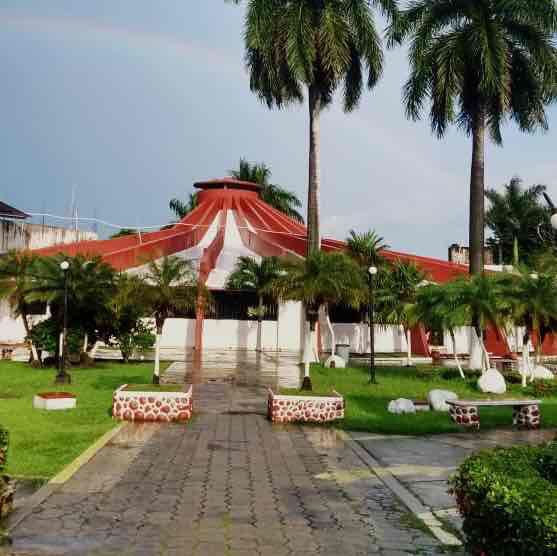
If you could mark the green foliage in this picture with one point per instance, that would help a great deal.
(180, 208)
(170, 287)
(508, 498)
(542, 388)
(283, 200)
(124, 232)
(366, 248)
(477, 59)
(138, 339)
(302, 44)
(452, 374)
(320, 279)
(517, 214)
(46, 336)
(4, 438)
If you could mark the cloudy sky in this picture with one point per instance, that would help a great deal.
(127, 102)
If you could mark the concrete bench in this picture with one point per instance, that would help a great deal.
(526, 413)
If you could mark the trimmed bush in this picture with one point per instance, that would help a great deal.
(508, 499)
(451, 374)
(3, 449)
(542, 388)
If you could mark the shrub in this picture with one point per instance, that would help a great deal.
(508, 499)
(451, 374)
(542, 388)
(512, 377)
(3, 449)
(427, 373)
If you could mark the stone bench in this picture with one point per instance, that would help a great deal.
(526, 413)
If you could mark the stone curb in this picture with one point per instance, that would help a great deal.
(58, 480)
(420, 511)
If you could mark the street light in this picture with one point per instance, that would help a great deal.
(62, 377)
(372, 272)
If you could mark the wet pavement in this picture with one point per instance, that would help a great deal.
(424, 464)
(227, 483)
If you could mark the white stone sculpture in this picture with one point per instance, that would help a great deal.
(401, 405)
(438, 399)
(492, 382)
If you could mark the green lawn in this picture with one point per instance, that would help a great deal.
(366, 404)
(43, 442)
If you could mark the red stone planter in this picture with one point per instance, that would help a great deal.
(161, 407)
(304, 409)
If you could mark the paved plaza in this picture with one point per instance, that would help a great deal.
(231, 483)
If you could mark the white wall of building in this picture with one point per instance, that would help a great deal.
(388, 339)
(12, 330)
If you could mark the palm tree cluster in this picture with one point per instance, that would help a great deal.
(476, 63)
(102, 304)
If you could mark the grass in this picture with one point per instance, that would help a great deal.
(154, 388)
(44, 442)
(366, 404)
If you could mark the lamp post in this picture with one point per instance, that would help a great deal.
(372, 272)
(62, 377)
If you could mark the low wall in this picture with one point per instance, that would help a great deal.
(163, 407)
(304, 409)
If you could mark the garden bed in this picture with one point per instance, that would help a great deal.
(313, 408)
(508, 499)
(152, 405)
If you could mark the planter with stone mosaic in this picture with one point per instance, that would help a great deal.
(151, 406)
(283, 408)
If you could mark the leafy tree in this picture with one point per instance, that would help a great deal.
(515, 217)
(171, 288)
(480, 62)
(253, 275)
(487, 304)
(180, 208)
(533, 301)
(275, 195)
(303, 46)
(123, 232)
(365, 248)
(440, 307)
(318, 281)
(15, 280)
(90, 286)
(127, 308)
(397, 296)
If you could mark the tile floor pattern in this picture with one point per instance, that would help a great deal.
(227, 483)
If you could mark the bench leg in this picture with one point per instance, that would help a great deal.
(468, 417)
(526, 416)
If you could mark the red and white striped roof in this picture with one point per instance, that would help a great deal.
(229, 221)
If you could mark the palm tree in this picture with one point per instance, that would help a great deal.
(514, 217)
(318, 281)
(479, 62)
(297, 46)
(253, 275)
(533, 299)
(181, 208)
(440, 307)
(396, 298)
(275, 195)
(487, 304)
(365, 248)
(15, 277)
(171, 288)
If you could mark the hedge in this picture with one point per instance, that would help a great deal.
(3, 449)
(508, 499)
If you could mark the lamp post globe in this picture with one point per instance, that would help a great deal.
(372, 270)
(63, 377)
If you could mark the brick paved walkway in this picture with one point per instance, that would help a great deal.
(228, 484)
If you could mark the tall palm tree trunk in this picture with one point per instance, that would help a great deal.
(477, 203)
(259, 324)
(314, 237)
(34, 354)
(408, 347)
(157, 371)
